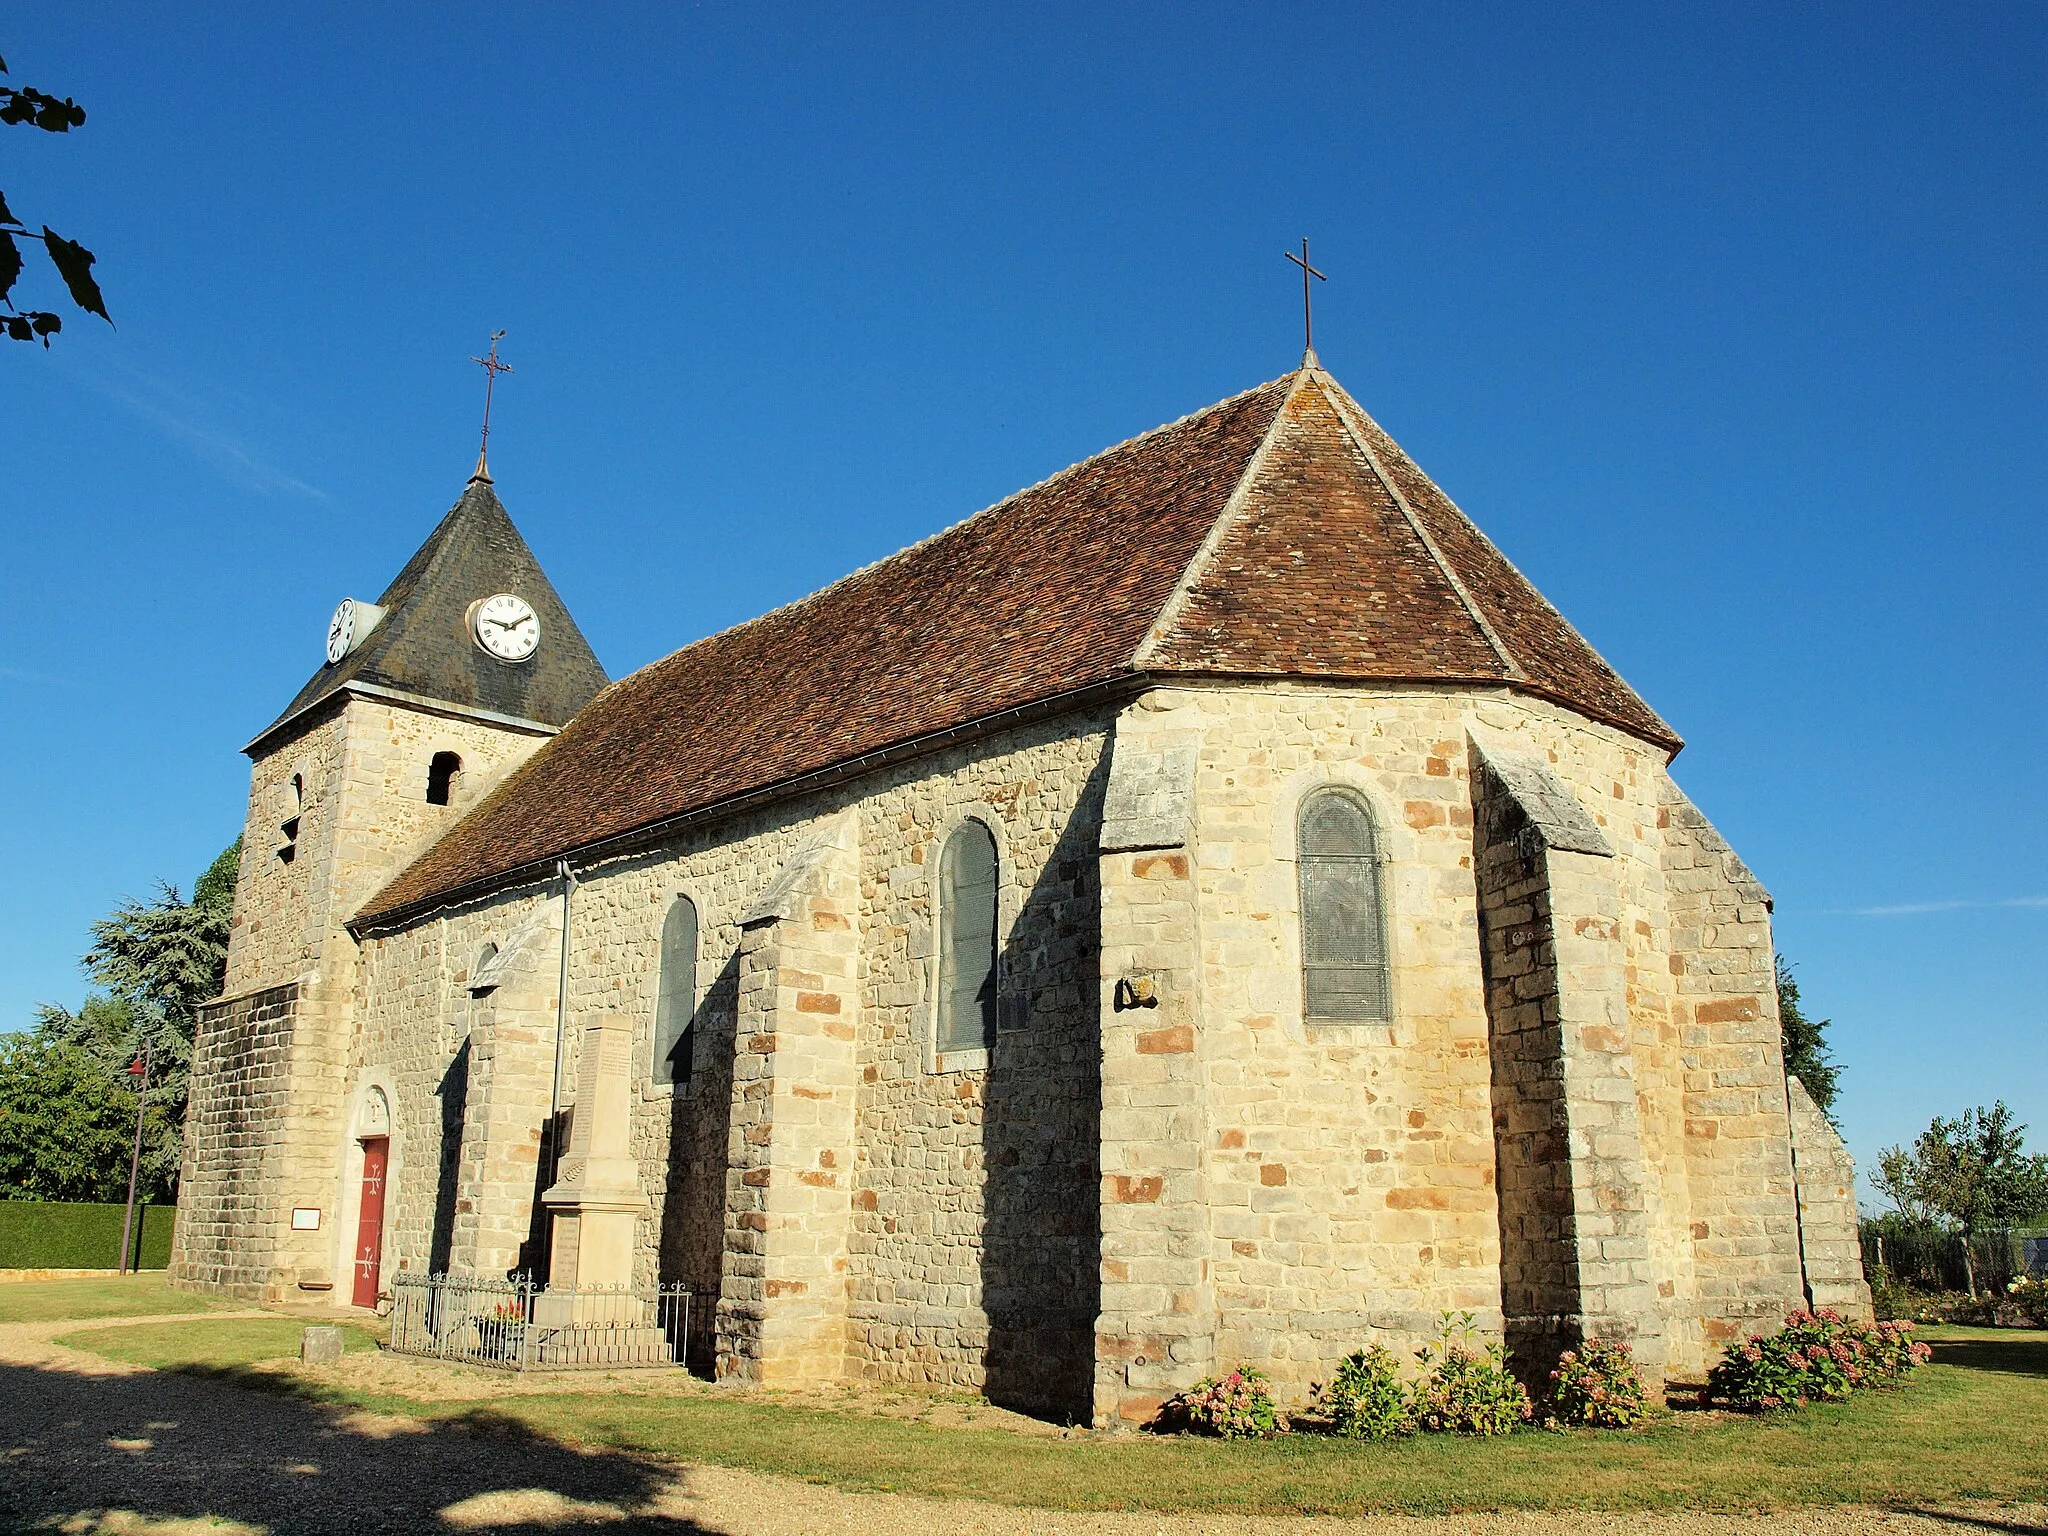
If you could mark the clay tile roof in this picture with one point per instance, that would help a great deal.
(1279, 533)
(422, 644)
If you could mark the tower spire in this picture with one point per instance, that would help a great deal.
(492, 368)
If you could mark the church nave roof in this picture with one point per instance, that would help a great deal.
(1279, 533)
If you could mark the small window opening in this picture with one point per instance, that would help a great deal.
(441, 774)
(289, 827)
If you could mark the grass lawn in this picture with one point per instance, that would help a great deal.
(48, 1301)
(1973, 1425)
(219, 1344)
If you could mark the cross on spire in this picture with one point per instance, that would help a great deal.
(492, 368)
(1308, 322)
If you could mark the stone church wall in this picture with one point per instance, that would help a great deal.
(1208, 1174)
(1830, 1240)
(362, 811)
(1345, 1173)
(971, 1234)
(226, 1235)
(1737, 1133)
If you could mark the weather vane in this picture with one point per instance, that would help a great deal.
(492, 368)
(1308, 322)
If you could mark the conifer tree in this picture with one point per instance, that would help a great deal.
(1806, 1045)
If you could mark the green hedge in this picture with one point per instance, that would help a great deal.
(55, 1234)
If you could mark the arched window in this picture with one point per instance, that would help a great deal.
(1343, 926)
(441, 774)
(676, 1004)
(967, 940)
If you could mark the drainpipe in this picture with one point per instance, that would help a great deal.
(568, 879)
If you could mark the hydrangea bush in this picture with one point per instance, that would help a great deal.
(1597, 1386)
(1816, 1356)
(1238, 1406)
(1367, 1399)
(1466, 1390)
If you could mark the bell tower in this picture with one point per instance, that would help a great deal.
(424, 701)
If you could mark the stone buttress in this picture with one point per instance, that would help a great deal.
(782, 1308)
(1575, 1241)
(1156, 1333)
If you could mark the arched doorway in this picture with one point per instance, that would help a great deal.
(373, 1131)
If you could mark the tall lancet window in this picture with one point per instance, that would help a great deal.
(967, 940)
(676, 1004)
(1343, 922)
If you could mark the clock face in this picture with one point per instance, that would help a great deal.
(341, 630)
(507, 627)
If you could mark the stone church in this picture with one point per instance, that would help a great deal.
(1206, 908)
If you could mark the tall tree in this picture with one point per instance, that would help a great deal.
(25, 106)
(1806, 1044)
(1967, 1174)
(157, 961)
(66, 1124)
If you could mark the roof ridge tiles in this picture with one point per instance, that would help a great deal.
(1341, 400)
(1199, 563)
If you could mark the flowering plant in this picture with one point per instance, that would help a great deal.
(2027, 1296)
(1238, 1406)
(1465, 1390)
(1892, 1351)
(1366, 1399)
(1597, 1386)
(1815, 1355)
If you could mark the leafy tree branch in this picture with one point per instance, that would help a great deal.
(26, 106)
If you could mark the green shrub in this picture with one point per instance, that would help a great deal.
(1238, 1406)
(1895, 1300)
(2026, 1298)
(1367, 1399)
(1815, 1356)
(1891, 1350)
(1466, 1390)
(58, 1234)
(1597, 1387)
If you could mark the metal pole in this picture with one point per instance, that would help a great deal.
(135, 1157)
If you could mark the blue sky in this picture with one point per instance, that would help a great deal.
(1728, 325)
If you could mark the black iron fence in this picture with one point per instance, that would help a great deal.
(516, 1325)
(1940, 1261)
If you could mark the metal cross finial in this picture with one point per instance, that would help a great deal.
(492, 368)
(1308, 322)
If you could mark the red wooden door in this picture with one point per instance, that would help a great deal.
(370, 1224)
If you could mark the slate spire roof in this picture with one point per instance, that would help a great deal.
(422, 645)
(1278, 534)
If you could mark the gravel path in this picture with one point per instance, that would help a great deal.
(96, 1448)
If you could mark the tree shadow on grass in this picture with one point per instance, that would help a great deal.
(2009, 1357)
(196, 1445)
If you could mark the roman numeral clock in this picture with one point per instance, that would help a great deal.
(505, 627)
